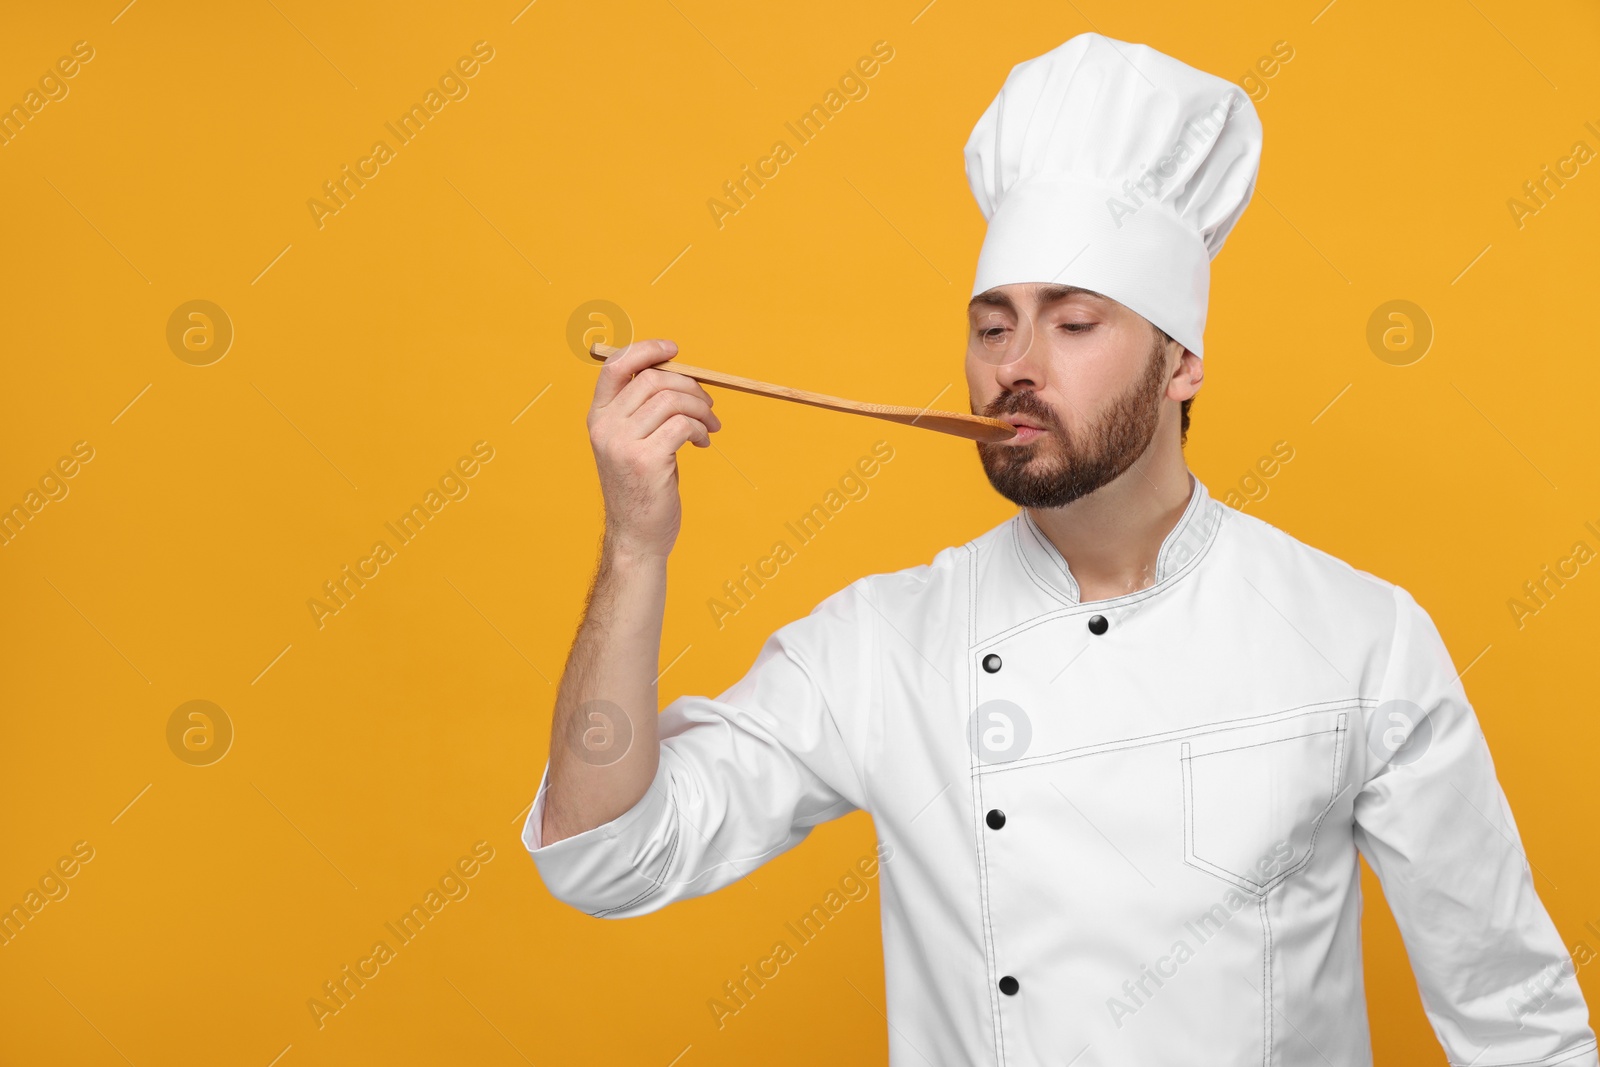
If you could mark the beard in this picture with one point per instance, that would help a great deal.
(1058, 467)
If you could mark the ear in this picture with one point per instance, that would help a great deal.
(1187, 375)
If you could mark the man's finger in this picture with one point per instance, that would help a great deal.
(652, 380)
(620, 368)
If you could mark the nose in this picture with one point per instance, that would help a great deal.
(1023, 367)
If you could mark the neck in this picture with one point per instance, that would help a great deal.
(1111, 538)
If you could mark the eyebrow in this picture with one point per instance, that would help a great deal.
(1048, 294)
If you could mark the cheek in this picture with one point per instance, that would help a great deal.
(981, 387)
(1099, 385)
(1110, 367)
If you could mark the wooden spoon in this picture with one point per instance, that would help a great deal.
(971, 427)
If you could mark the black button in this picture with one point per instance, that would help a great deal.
(1098, 624)
(991, 663)
(1009, 986)
(996, 818)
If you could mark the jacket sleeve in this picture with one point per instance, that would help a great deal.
(742, 778)
(1496, 982)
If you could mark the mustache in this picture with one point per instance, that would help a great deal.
(1026, 404)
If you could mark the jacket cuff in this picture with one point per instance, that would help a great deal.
(600, 870)
(1585, 1056)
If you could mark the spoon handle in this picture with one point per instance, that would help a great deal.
(971, 427)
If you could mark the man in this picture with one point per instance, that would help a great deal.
(1121, 750)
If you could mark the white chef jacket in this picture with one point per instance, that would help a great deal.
(1120, 833)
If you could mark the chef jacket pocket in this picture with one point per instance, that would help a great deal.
(1255, 796)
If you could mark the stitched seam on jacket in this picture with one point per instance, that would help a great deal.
(660, 879)
(1266, 986)
(666, 865)
(1200, 863)
(1316, 825)
(1553, 1058)
(1019, 526)
(1193, 731)
(1190, 857)
(990, 962)
(1273, 741)
(1075, 608)
(1190, 515)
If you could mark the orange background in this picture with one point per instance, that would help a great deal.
(432, 310)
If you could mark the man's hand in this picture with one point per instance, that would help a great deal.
(641, 415)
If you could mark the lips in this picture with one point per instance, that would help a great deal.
(1019, 422)
(1025, 435)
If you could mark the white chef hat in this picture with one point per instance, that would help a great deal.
(1116, 168)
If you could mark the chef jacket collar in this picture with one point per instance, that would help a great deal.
(1185, 543)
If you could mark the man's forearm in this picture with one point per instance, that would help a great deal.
(604, 745)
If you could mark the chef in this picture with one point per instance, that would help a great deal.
(1123, 749)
